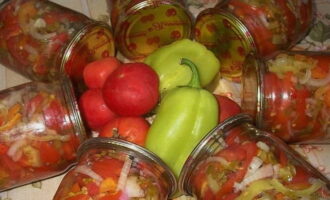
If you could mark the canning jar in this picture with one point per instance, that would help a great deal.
(42, 40)
(142, 26)
(233, 28)
(116, 169)
(289, 95)
(40, 131)
(238, 161)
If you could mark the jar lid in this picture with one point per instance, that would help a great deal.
(209, 144)
(148, 25)
(133, 150)
(227, 37)
(92, 42)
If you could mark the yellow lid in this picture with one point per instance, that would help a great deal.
(226, 37)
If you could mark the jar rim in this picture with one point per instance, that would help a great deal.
(130, 149)
(207, 145)
(76, 39)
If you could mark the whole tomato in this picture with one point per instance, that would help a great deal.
(96, 72)
(132, 129)
(94, 109)
(227, 107)
(132, 89)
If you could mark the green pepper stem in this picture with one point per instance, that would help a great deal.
(194, 81)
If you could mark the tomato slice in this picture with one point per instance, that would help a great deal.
(108, 168)
(48, 153)
(54, 115)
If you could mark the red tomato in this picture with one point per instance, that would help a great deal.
(108, 168)
(132, 129)
(48, 153)
(227, 107)
(3, 149)
(132, 89)
(95, 73)
(94, 109)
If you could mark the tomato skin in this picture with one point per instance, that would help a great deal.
(132, 129)
(227, 107)
(132, 90)
(54, 115)
(95, 73)
(94, 109)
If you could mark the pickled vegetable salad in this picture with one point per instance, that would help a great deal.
(37, 139)
(301, 84)
(244, 170)
(107, 176)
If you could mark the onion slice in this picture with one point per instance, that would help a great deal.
(89, 172)
(124, 174)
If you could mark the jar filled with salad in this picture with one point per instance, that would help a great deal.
(42, 40)
(40, 131)
(116, 169)
(238, 161)
(142, 26)
(289, 95)
(233, 28)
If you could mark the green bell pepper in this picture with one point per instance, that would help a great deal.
(166, 62)
(185, 115)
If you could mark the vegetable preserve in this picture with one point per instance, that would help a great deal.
(238, 161)
(116, 169)
(42, 40)
(233, 28)
(142, 26)
(289, 95)
(40, 131)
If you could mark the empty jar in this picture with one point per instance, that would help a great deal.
(238, 161)
(116, 169)
(289, 95)
(142, 26)
(233, 28)
(40, 131)
(42, 40)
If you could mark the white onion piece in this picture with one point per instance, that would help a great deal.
(319, 82)
(263, 146)
(89, 172)
(15, 151)
(132, 188)
(265, 171)
(124, 174)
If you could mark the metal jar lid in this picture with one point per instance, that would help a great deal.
(94, 40)
(227, 37)
(135, 151)
(148, 25)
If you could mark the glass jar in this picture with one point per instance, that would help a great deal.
(238, 161)
(233, 28)
(116, 169)
(42, 40)
(289, 95)
(142, 26)
(40, 131)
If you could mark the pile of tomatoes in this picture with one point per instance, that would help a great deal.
(119, 96)
(122, 96)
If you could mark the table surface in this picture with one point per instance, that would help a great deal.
(317, 40)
